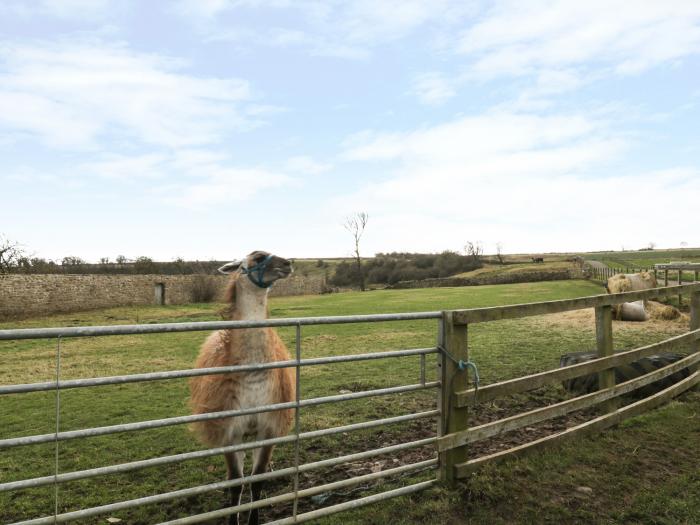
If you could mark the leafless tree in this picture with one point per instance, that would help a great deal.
(10, 254)
(499, 252)
(72, 260)
(355, 224)
(474, 250)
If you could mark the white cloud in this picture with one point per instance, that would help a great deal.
(472, 139)
(76, 9)
(303, 164)
(224, 185)
(533, 182)
(371, 21)
(188, 178)
(345, 29)
(539, 213)
(125, 167)
(73, 94)
(433, 88)
(514, 38)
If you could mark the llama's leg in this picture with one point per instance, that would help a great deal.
(261, 461)
(234, 470)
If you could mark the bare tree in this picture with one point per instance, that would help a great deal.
(474, 250)
(499, 252)
(72, 260)
(10, 254)
(355, 224)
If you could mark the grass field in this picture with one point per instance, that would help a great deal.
(490, 271)
(647, 259)
(644, 259)
(643, 472)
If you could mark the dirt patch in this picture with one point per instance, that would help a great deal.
(414, 431)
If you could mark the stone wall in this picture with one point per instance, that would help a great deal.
(32, 295)
(557, 274)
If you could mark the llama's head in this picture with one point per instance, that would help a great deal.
(262, 268)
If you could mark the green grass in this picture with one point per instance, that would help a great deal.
(647, 259)
(643, 259)
(496, 270)
(311, 268)
(513, 492)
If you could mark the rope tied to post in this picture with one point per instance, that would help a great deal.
(463, 365)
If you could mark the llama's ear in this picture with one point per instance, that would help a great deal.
(230, 267)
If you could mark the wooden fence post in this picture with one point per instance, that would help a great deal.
(666, 277)
(695, 319)
(604, 344)
(453, 339)
(680, 281)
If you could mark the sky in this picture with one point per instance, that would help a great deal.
(206, 129)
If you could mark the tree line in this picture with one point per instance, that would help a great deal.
(390, 268)
(121, 266)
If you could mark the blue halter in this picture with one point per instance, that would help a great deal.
(257, 272)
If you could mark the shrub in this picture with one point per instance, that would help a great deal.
(203, 288)
(345, 275)
(394, 267)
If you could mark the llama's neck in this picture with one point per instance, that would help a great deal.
(251, 302)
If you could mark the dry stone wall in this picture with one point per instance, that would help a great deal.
(32, 295)
(557, 274)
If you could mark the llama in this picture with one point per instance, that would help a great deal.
(247, 298)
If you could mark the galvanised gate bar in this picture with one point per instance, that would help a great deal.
(453, 400)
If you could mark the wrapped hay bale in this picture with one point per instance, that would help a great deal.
(633, 312)
(663, 312)
(630, 282)
(586, 384)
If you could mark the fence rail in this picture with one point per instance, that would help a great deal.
(453, 400)
(604, 365)
(687, 272)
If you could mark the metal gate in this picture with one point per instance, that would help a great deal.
(296, 437)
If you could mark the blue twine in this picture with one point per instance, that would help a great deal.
(463, 365)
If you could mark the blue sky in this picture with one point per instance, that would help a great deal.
(211, 128)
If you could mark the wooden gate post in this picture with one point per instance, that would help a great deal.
(695, 318)
(604, 344)
(453, 339)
